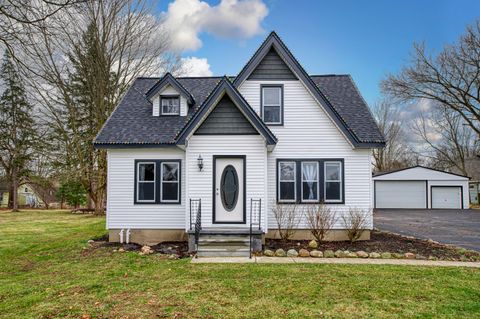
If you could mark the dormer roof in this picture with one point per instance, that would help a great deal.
(169, 79)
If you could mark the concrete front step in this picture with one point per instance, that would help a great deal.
(226, 243)
(218, 253)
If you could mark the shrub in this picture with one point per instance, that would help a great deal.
(320, 219)
(355, 223)
(287, 219)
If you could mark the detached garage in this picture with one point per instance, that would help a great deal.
(420, 188)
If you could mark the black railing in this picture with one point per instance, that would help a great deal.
(255, 217)
(196, 218)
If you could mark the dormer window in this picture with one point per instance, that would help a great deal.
(170, 105)
(272, 104)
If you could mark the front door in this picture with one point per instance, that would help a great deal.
(229, 190)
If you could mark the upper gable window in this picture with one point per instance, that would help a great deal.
(170, 105)
(272, 104)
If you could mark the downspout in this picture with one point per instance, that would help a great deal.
(121, 236)
(127, 236)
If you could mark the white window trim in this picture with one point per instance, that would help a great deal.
(162, 181)
(340, 175)
(154, 181)
(165, 97)
(294, 200)
(316, 181)
(280, 104)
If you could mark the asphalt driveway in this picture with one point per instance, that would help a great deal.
(448, 226)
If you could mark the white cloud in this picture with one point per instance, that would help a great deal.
(186, 19)
(193, 66)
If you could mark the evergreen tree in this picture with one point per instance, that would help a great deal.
(92, 93)
(17, 128)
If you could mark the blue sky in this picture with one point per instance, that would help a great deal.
(367, 39)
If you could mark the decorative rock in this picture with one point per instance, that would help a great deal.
(316, 254)
(341, 253)
(328, 253)
(386, 255)
(374, 255)
(398, 256)
(280, 253)
(351, 255)
(313, 244)
(410, 255)
(432, 258)
(146, 250)
(362, 254)
(268, 253)
(292, 253)
(173, 256)
(303, 253)
(90, 242)
(121, 250)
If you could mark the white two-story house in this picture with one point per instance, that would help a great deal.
(208, 156)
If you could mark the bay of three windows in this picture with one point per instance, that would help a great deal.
(310, 181)
(157, 182)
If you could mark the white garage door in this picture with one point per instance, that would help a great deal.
(446, 197)
(400, 194)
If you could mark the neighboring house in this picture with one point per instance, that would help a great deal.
(240, 146)
(474, 187)
(420, 188)
(27, 197)
(3, 193)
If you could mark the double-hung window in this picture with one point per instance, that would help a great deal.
(287, 187)
(310, 189)
(272, 104)
(146, 182)
(157, 181)
(170, 105)
(170, 186)
(333, 181)
(310, 181)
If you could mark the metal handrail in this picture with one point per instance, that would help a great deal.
(258, 202)
(196, 213)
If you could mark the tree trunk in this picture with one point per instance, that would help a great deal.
(15, 190)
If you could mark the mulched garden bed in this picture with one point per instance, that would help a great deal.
(384, 242)
(170, 249)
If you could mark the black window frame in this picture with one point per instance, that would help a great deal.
(158, 180)
(170, 96)
(321, 180)
(282, 106)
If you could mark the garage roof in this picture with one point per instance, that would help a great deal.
(418, 172)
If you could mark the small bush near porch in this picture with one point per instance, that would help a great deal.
(46, 273)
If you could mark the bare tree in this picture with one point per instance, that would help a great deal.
(16, 14)
(287, 218)
(396, 152)
(320, 220)
(449, 142)
(82, 61)
(355, 223)
(450, 79)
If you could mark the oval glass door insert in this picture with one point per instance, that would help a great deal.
(229, 188)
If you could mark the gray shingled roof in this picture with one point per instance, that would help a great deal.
(132, 121)
(344, 96)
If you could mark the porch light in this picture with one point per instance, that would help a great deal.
(200, 162)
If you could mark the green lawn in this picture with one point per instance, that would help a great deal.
(44, 273)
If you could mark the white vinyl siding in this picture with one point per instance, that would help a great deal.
(121, 210)
(308, 132)
(200, 183)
